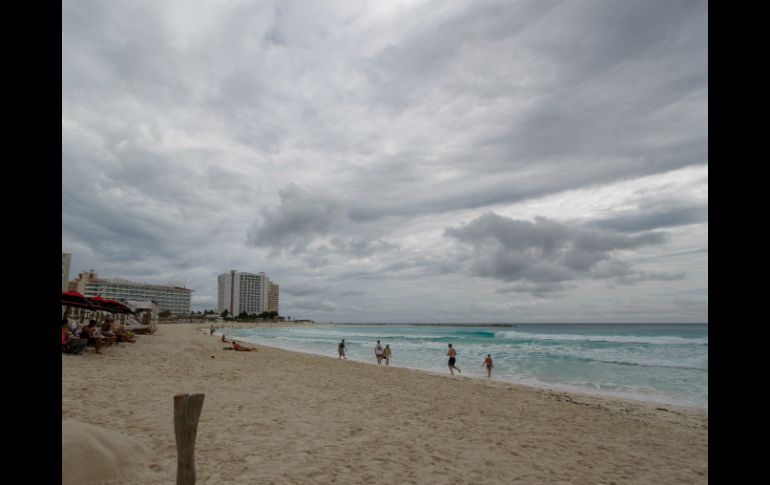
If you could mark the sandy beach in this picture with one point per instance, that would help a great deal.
(274, 416)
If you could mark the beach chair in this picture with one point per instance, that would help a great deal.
(74, 345)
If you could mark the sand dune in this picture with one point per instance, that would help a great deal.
(274, 416)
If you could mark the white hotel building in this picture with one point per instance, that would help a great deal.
(246, 292)
(172, 298)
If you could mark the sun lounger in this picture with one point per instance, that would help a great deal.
(74, 345)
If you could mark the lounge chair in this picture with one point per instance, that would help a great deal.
(74, 345)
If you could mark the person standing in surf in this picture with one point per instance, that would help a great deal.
(341, 350)
(386, 354)
(452, 353)
(378, 350)
(488, 363)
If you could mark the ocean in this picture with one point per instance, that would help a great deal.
(660, 363)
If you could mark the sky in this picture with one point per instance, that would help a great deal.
(395, 161)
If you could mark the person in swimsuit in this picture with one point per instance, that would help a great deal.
(341, 350)
(452, 353)
(386, 354)
(488, 363)
(237, 346)
(378, 352)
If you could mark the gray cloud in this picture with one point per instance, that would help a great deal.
(313, 305)
(546, 251)
(299, 219)
(538, 290)
(301, 289)
(361, 247)
(330, 145)
(665, 214)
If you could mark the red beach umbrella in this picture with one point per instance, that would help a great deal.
(107, 305)
(75, 299)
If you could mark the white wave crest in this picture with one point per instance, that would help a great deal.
(623, 339)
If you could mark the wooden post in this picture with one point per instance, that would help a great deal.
(187, 409)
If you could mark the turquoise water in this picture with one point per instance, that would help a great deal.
(658, 363)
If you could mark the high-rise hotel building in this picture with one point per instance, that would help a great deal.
(246, 292)
(272, 297)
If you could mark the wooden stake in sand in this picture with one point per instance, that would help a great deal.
(187, 409)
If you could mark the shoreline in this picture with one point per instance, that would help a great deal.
(554, 388)
(278, 416)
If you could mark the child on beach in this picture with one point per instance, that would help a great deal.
(341, 350)
(452, 353)
(488, 363)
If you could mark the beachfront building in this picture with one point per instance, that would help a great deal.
(272, 297)
(66, 259)
(244, 292)
(172, 298)
(79, 284)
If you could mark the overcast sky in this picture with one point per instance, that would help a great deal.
(395, 161)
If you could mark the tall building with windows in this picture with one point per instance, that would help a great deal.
(66, 259)
(244, 292)
(172, 298)
(272, 297)
(79, 283)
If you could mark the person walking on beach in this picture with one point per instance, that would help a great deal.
(341, 350)
(378, 352)
(488, 363)
(386, 354)
(452, 353)
(212, 329)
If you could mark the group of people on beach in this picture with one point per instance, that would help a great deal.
(452, 353)
(75, 338)
(381, 354)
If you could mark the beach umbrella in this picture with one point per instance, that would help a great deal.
(110, 306)
(75, 299)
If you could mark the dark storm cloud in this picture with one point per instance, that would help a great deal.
(546, 251)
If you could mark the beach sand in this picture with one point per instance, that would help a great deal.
(274, 416)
